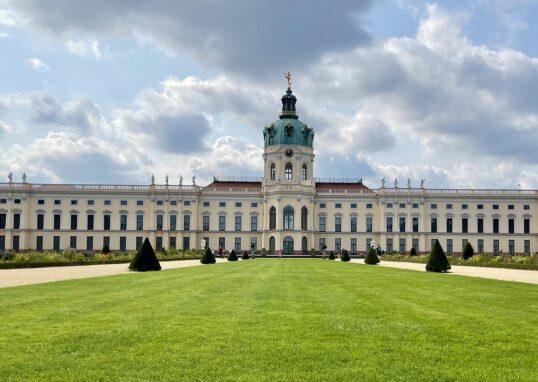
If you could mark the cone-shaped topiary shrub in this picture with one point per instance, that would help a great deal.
(232, 256)
(145, 259)
(331, 256)
(371, 258)
(413, 252)
(437, 262)
(208, 257)
(468, 251)
(345, 256)
(245, 256)
(106, 249)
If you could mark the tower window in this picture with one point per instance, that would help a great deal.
(273, 171)
(288, 217)
(288, 171)
(272, 218)
(303, 172)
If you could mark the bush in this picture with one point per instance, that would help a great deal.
(208, 257)
(145, 259)
(245, 256)
(413, 252)
(331, 256)
(437, 262)
(106, 249)
(371, 258)
(468, 251)
(345, 256)
(232, 256)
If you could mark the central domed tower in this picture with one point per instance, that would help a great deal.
(288, 184)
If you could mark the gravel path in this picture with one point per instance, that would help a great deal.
(519, 275)
(26, 276)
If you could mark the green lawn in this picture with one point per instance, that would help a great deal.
(271, 320)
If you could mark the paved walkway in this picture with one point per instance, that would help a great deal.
(26, 276)
(519, 275)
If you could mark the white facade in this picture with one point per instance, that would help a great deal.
(308, 213)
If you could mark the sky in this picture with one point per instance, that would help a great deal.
(112, 91)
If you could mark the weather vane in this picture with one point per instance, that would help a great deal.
(288, 77)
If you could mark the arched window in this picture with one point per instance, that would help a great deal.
(272, 244)
(288, 171)
(288, 217)
(304, 245)
(273, 171)
(272, 218)
(304, 217)
(288, 245)
(303, 172)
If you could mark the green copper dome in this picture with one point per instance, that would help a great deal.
(288, 130)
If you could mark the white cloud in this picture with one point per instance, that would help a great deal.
(4, 35)
(37, 65)
(84, 47)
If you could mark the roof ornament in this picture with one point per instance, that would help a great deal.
(166, 179)
(10, 177)
(180, 180)
(287, 76)
(152, 180)
(24, 177)
(408, 183)
(194, 180)
(383, 182)
(422, 182)
(395, 183)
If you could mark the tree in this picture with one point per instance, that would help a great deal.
(331, 255)
(345, 256)
(145, 259)
(245, 256)
(208, 257)
(371, 258)
(468, 251)
(413, 252)
(437, 262)
(232, 256)
(106, 249)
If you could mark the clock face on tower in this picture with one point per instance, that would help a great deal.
(288, 152)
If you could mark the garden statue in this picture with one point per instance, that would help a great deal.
(10, 177)
(152, 179)
(395, 183)
(383, 182)
(422, 183)
(408, 183)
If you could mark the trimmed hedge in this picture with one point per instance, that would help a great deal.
(437, 262)
(371, 258)
(145, 259)
(232, 256)
(331, 256)
(245, 256)
(468, 251)
(208, 257)
(345, 256)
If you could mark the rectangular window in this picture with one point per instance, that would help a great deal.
(57, 221)
(389, 223)
(173, 202)
(480, 225)
(57, 202)
(337, 224)
(160, 202)
(495, 206)
(253, 223)
(321, 243)
(16, 221)
(526, 226)
(322, 223)
(389, 205)
(123, 202)
(369, 205)
(74, 202)
(253, 244)
(89, 243)
(433, 225)
(172, 242)
(402, 205)
(527, 247)
(511, 228)
(338, 205)
(74, 222)
(106, 222)
(139, 222)
(108, 202)
(496, 246)
(139, 202)
(238, 223)
(222, 204)
(368, 243)
(449, 225)
(173, 222)
(449, 206)
(415, 245)
(510, 206)
(415, 205)
(322, 205)
(237, 244)
(480, 247)
(41, 201)
(123, 243)
(222, 243)
(526, 207)
(449, 248)
(40, 221)
(56, 243)
(433, 206)
(3, 201)
(254, 204)
(2, 243)
(495, 225)
(369, 225)
(17, 201)
(337, 244)
(186, 243)
(205, 223)
(205, 204)
(2, 221)
(463, 244)
(353, 205)
(106, 241)
(90, 219)
(238, 204)
(403, 246)
(159, 222)
(415, 224)
(511, 247)
(138, 242)
(186, 222)
(353, 245)
(480, 207)
(16, 245)
(91, 202)
(123, 222)
(39, 243)
(186, 202)
(464, 225)
(353, 224)
(159, 243)
(222, 223)
(73, 242)
(389, 246)
(402, 224)
(464, 206)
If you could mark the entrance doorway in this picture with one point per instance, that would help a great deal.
(288, 245)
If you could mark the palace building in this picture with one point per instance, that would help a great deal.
(288, 210)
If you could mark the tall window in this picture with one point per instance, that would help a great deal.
(353, 224)
(337, 224)
(402, 224)
(90, 222)
(272, 218)
(238, 222)
(526, 225)
(106, 222)
(304, 245)
(173, 223)
(288, 245)
(304, 218)
(511, 228)
(139, 222)
(74, 221)
(415, 224)
(205, 223)
(40, 219)
(2, 221)
(322, 223)
(389, 223)
(433, 225)
(304, 172)
(57, 221)
(222, 223)
(464, 225)
(123, 222)
(186, 224)
(495, 225)
(369, 225)
(273, 171)
(449, 225)
(253, 223)
(160, 222)
(288, 171)
(480, 225)
(288, 217)
(272, 244)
